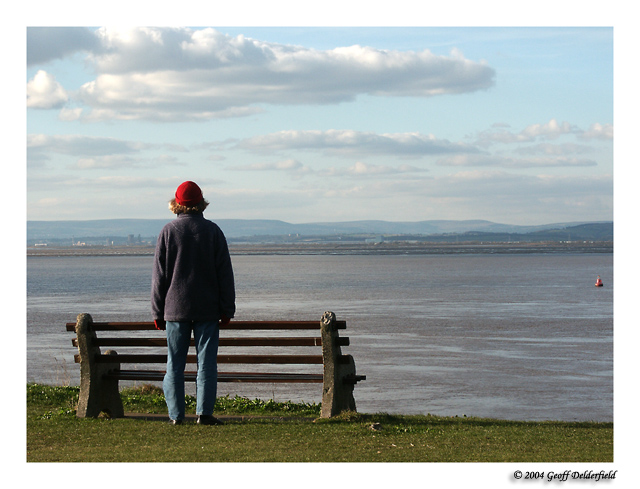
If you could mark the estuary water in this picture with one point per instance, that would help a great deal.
(511, 336)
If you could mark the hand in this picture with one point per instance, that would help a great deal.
(224, 321)
(160, 324)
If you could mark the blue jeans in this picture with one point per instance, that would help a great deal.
(206, 335)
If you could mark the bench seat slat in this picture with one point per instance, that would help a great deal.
(190, 376)
(238, 359)
(275, 359)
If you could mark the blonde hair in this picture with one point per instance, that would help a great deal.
(181, 209)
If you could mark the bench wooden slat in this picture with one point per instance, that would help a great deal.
(238, 325)
(255, 377)
(118, 326)
(252, 359)
(248, 377)
(248, 359)
(162, 342)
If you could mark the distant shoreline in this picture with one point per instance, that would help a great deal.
(419, 248)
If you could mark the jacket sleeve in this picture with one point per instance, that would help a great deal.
(226, 283)
(159, 279)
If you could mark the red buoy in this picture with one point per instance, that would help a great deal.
(599, 282)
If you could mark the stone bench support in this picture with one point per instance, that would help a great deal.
(337, 391)
(97, 394)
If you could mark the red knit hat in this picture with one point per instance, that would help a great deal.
(189, 194)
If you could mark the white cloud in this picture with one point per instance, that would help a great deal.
(598, 131)
(120, 161)
(60, 195)
(68, 114)
(550, 130)
(353, 142)
(360, 169)
(493, 189)
(284, 165)
(476, 194)
(81, 145)
(110, 162)
(510, 162)
(44, 92)
(551, 149)
(533, 132)
(184, 74)
(107, 183)
(45, 44)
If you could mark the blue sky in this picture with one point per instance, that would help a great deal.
(508, 124)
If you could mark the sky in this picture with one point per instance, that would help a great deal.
(317, 124)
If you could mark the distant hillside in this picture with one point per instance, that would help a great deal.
(581, 232)
(255, 230)
(593, 231)
(97, 228)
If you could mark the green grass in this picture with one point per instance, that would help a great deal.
(283, 432)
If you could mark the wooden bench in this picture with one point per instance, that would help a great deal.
(141, 346)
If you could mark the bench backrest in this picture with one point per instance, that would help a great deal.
(281, 342)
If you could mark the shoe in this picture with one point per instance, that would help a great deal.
(207, 419)
(175, 421)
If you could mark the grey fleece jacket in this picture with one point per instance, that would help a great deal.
(192, 275)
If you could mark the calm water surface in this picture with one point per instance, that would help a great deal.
(504, 336)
